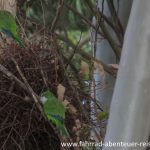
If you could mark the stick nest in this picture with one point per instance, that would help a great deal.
(22, 126)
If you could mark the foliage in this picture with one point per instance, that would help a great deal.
(43, 12)
(103, 115)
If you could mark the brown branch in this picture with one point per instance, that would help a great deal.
(58, 12)
(26, 87)
(87, 56)
(114, 46)
(12, 77)
(118, 28)
(83, 41)
(74, 50)
(88, 22)
(76, 73)
(107, 68)
(102, 16)
(30, 90)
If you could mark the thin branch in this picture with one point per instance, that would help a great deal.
(107, 68)
(84, 41)
(88, 22)
(119, 28)
(32, 93)
(106, 33)
(114, 46)
(58, 12)
(76, 73)
(74, 50)
(12, 77)
(102, 15)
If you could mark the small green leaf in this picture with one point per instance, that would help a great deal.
(86, 77)
(102, 115)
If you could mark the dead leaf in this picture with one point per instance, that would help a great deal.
(84, 70)
(78, 124)
(74, 129)
(72, 109)
(66, 103)
(100, 70)
(60, 91)
(115, 66)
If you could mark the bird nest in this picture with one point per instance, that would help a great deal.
(22, 125)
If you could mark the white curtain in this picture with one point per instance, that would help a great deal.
(130, 108)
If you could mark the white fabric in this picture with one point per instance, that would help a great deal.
(130, 108)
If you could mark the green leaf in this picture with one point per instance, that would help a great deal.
(102, 115)
(86, 77)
